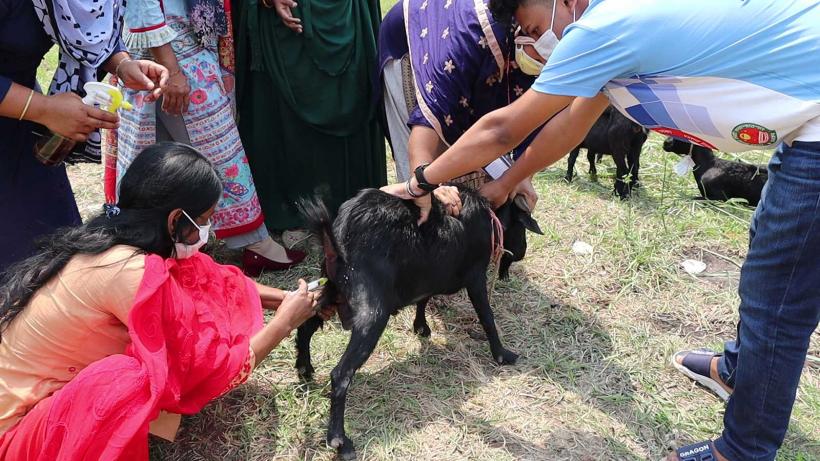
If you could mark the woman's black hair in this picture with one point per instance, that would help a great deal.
(162, 178)
(504, 10)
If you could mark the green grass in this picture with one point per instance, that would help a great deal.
(46, 70)
(594, 334)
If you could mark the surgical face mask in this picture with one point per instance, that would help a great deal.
(185, 251)
(526, 63)
(546, 43)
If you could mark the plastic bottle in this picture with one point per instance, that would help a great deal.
(51, 149)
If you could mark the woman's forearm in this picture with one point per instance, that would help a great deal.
(14, 103)
(424, 146)
(112, 63)
(165, 56)
(263, 342)
(271, 297)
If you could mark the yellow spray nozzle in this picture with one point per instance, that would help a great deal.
(117, 101)
(106, 96)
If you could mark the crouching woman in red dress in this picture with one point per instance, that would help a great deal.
(117, 327)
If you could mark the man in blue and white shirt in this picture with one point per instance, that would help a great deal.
(728, 74)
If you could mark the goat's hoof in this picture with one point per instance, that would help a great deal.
(622, 194)
(506, 357)
(343, 446)
(347, 455)
(568, 178)
(305, 372)
(422, 330)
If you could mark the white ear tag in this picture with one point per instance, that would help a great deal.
(684, 166)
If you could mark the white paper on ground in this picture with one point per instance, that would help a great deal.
(693, 267)
(582, 248)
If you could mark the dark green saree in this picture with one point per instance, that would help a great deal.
(307, 113)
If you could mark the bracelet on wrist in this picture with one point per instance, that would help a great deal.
(117, 69)
(28, 103)
(410, 190)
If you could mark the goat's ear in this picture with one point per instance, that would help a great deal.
(530, 223)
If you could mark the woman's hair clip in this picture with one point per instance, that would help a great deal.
(111, 210)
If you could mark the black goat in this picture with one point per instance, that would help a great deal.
(719, 179)
(616, 135)
(378, 260)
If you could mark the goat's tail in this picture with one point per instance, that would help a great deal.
(320, 224)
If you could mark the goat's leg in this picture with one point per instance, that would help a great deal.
(303, 336)
(593, 170)
(420, 325)
(477, 291)
(634, 163)
(571, 163)
(622, 187)
(363, 339)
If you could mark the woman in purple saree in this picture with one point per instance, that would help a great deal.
(444, 64)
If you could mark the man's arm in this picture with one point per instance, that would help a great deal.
(495, 134)
(560, 135)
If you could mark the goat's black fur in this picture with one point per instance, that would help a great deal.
(719, 179)
(378, 260)
(616, 135)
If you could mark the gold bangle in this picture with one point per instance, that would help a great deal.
(28, 102)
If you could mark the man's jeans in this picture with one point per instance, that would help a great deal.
(779, 307)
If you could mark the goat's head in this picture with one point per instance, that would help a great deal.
(683, 148)
(676, 146)
(516, 218)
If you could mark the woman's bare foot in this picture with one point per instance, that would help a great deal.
(271, 250)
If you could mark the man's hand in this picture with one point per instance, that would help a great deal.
(497, 192)
(526, 189)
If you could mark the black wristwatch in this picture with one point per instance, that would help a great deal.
(423, 184)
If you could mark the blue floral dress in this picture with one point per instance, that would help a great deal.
(210, 121)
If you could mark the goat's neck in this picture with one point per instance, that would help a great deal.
(701, 155)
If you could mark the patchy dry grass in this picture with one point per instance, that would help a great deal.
(594, 333)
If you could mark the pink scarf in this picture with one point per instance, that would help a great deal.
(190, 329)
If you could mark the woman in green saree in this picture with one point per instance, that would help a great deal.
(308, 115)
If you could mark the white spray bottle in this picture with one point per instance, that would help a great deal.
(51, 148)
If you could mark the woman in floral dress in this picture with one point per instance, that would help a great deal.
(193, 38)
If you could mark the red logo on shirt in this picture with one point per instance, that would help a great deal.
(754, 134)
(683, 135)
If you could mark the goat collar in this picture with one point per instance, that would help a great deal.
(496, 239)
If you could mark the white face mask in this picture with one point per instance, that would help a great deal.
(544, 46)
(185, 251)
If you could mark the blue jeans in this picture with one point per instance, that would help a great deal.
(779, 307)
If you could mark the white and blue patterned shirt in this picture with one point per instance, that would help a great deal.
(728, 74)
